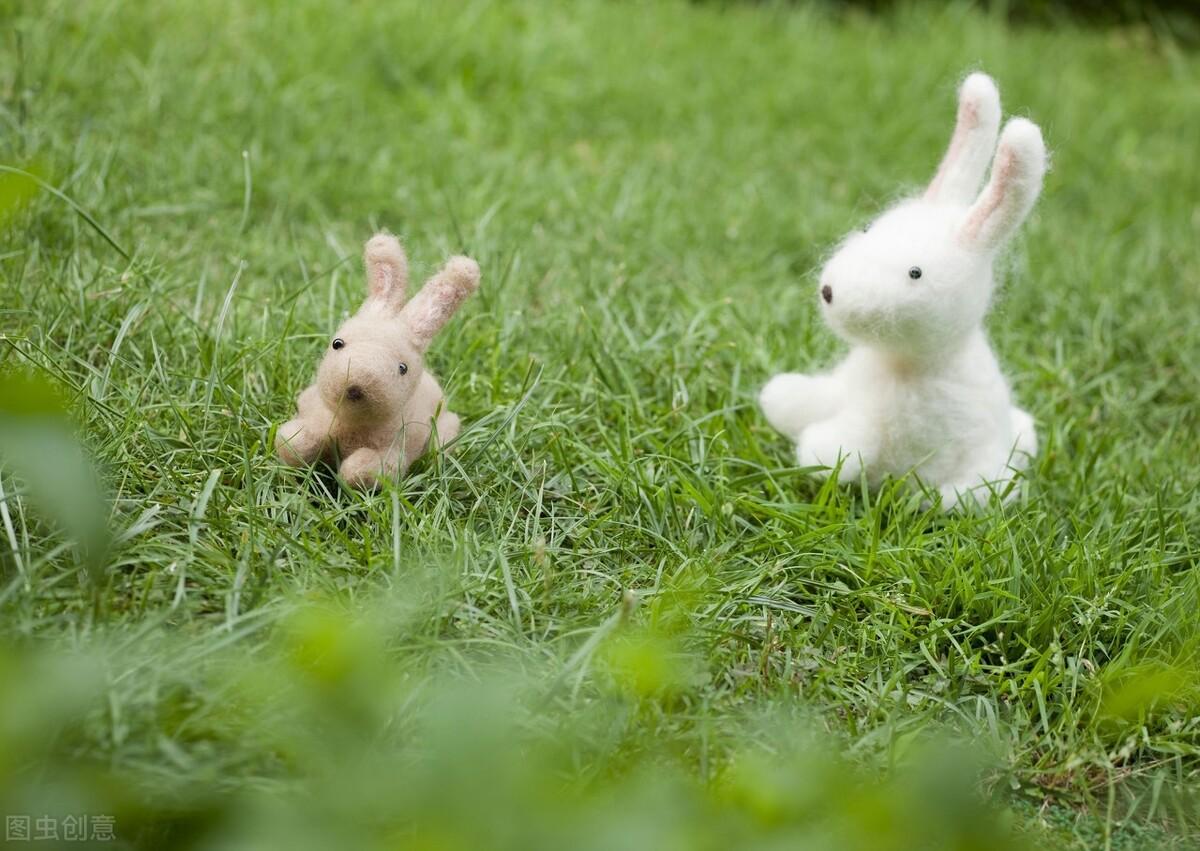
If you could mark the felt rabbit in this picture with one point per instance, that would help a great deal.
(374, 406)
(920, 389)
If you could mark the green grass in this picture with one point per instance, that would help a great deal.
(619, 537)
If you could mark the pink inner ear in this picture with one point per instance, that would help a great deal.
(1002, 175)
(381, 280)
(436, 313)
(968, 120)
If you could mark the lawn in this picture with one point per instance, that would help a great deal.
(616, 614)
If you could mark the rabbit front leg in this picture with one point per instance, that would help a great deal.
(791, 401)
(847, 437)
(305, 438)
(365, 466)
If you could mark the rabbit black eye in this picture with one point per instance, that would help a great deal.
(403, 368)
(914, 272)
(338, 343)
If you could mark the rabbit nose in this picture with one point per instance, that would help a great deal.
(354, 393)
(827, 294)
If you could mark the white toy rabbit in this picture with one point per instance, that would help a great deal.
(374, 404)
(920, 390)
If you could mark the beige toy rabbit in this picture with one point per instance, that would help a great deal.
(374, 406)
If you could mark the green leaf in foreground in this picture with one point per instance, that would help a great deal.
(39, 449)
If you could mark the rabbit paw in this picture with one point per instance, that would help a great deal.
(362, 469)
(297, 445)
(791, 401)
(826, 443)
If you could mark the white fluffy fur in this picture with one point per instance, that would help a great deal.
(920, 390)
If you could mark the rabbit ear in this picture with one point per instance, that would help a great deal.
(433, 306)
(1015, 184)
(962, 169)
(387, 270)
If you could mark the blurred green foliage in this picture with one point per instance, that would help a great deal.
(39, 447)
(1178, 19)
(354, 749)
(16, 191)
(1052, 11)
